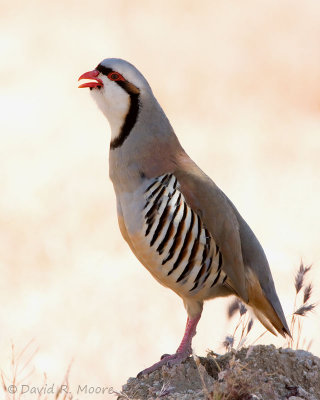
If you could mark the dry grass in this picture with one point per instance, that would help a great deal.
(244, 324)
(235, 382)
(14, 385)
(303, 292)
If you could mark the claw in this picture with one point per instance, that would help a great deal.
(168, 360)
(164, 355)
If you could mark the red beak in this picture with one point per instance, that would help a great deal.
(91, 75)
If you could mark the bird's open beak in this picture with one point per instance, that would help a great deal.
(91, 75)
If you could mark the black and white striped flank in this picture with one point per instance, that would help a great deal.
(186, 249)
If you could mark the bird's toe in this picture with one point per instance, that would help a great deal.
(164, 356)
(168, 360)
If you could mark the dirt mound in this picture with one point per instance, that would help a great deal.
(257, 373)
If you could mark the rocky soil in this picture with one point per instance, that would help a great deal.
(254, 373)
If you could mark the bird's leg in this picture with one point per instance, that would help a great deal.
(183, 351)
(189, 333)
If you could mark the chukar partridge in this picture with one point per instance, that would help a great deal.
(177, 222)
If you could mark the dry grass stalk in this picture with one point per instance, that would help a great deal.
(299, 279)
(307, 293)
(21, 370)
(304, 309)
(243, 326)
(65, 394)
(236, 382)
(202, 372)
(121, 395)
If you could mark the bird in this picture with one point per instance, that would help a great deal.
(179, 224)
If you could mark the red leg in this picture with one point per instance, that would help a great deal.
(183, 351)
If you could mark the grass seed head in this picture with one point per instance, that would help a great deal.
(307, 293)
(299, 279)
(228, 342)
(305, 309)
(233, 308)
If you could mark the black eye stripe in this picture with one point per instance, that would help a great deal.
(130, 88)
(104, 70)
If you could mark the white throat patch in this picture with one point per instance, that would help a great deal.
(114, 102)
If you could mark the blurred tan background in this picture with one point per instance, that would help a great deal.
(240, 82)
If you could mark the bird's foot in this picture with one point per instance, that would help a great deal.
(183, 352)
(168, 360)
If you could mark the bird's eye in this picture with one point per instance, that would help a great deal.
(115, 76)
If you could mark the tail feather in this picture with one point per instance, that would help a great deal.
(264, 321)
(263, 308)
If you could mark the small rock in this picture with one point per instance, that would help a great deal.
(302, 392)
(295, 398)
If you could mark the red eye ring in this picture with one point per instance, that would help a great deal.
(115, 76)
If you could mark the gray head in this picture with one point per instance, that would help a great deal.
(119, 90)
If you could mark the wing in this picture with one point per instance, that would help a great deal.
(208, 201)
(260, 279)
(243, 258)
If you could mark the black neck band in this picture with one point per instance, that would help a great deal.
(129, 122)
(134, 108)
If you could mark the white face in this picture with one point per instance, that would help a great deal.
(110, 96)
(113, 101)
